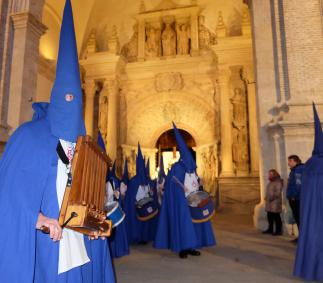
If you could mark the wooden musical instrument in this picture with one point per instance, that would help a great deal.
(82, 208)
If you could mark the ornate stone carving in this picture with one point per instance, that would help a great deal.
(152, 45)
(168, 82)
(169, 40)
(91, 44)
(130, 49)
(206, 37)
(240, 132)
(209, 162)
(113, 41)
(171, 112)
(221, 30)
(183, 38)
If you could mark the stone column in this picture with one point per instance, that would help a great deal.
(25, 56)
(253, 120)
(90, 89)
(112, 89)
(226, 122)
(194, 35)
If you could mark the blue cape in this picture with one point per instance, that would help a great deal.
(176, 231)
(28, 172)
(118, 240)
(138, 231)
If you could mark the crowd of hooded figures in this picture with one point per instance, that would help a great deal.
(172, 212)
(157, 210)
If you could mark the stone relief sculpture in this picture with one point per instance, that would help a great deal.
(240, 132)
(209, 172)
(152, 45)
(103, 116)
(169, 41)
(206, 37)
(130, 49)
(183, 38)
(168, 81)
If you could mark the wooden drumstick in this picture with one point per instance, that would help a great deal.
(180, 183)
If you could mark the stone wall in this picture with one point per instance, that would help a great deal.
(289, 65)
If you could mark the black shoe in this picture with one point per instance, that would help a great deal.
(267, 232)
(142, 243)
(277, 234)
(183, 254)
(194, 253)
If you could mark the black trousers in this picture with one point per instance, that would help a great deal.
(274, 219)
(294, 205)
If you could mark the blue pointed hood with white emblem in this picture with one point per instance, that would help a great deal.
(65, 111)
(185, 155)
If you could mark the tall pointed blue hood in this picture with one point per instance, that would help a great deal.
(161, 172)
(140, 167)
(65, 109)
(185, 155)
(318, 139)
(125, 176)
(148, 168)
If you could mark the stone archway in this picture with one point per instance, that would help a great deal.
(167, 147)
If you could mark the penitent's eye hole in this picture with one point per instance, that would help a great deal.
(69, 97)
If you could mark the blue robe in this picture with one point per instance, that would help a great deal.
(137, 231)
(309, 256)
(176, 231)
(28, 172)
(119, 239)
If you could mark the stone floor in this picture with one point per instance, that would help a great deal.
(242, 254)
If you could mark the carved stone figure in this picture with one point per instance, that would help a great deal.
(183, 36)
(103, 116)
(169, 41)
(206, 37)
(152, 46)
(168, 81)
(239, 107)
(239, 131)
(130, 49)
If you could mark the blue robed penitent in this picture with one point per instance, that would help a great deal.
(28, 171)
(309, 255)
(119, 239)
(176, 231)
(138, 231)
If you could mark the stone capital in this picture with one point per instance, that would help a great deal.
(90, 88)
(26, 20)
(110, 86)
(248, 73)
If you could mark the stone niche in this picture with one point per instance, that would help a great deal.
(168, 31)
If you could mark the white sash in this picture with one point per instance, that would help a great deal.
(72, 251)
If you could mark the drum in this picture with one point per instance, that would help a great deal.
(146, 209)
(201, 206)
(115, 213)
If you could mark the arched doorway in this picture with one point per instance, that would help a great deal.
(167, 147)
